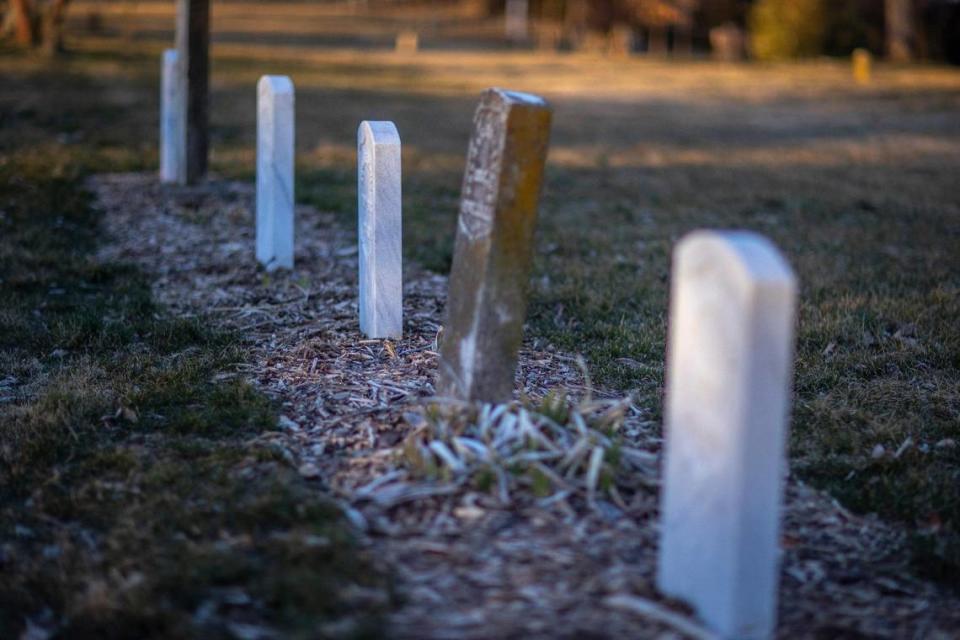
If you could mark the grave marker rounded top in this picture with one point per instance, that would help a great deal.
(729, 373)
(275, 85)
(745, 254)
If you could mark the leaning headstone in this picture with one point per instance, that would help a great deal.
(494, 248)
(275, 157)
(380, 229)
(862, 66)
(193, 49)
(517, 19)
(171, 137)
(732, 314)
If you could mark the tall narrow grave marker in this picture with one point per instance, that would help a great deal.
(381, 230)
(494, 248)
(171, 136)
(275, 156)
(193, 46)
(729, 376)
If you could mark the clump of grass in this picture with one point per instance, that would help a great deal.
(556, 450)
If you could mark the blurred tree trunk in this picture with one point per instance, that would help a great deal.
(53, 27)
(899, 24)
(36, 23)
(23, 24)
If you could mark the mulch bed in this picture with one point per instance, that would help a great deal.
(468, 563)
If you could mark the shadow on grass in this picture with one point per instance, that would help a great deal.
(133, 500)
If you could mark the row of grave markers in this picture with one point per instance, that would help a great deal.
(730, 345)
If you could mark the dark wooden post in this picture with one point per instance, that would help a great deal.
(193, 47)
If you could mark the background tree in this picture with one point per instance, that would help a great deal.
(36, 23)
(781, 29)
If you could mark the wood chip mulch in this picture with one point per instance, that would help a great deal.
(468, 565)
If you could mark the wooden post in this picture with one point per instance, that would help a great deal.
(193, 47)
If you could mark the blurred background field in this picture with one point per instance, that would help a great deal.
(858, 184)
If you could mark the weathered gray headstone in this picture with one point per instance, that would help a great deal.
(517, 19)
(275, 158)
(381, 230)
(862, 66)
(494, 248)
(733, 306)
(193, 54)
(172, 151)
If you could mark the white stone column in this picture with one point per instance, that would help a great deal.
(380, 228)
(275, 157)
(729, 373)
(172, 153)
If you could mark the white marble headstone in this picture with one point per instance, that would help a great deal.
(729, 373)
(275, 158)
(172, 152)
(380, 229)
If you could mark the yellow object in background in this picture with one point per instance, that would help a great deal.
(862, 66)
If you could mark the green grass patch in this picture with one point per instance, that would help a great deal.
(133, 502)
